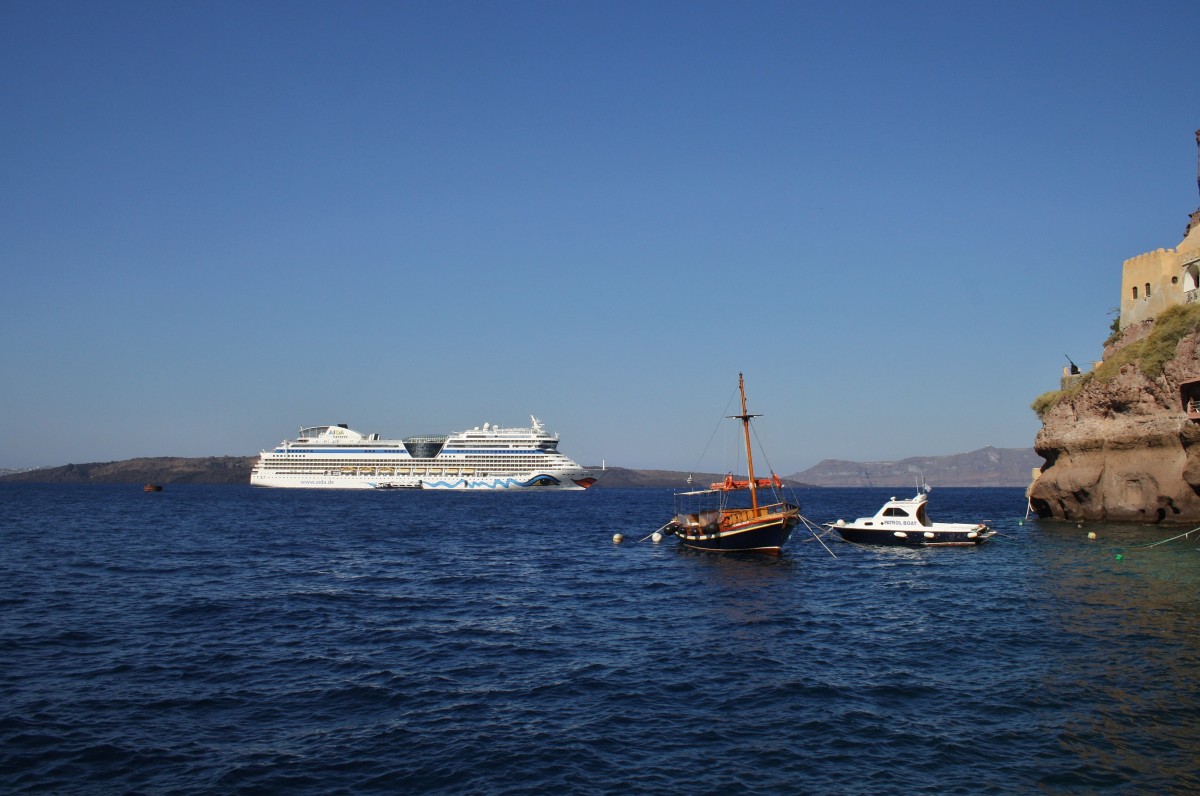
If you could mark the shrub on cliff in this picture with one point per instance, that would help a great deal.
(1170, 327)
(1153, 352)
(1114, 328)
(1048, 400)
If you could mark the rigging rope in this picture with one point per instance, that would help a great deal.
(770, 468)
(714, 434)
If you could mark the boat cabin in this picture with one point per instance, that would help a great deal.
(912, 508)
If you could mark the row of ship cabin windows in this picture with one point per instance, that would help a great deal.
(465, 449)
(498, 460)
(480, 471)
(443, 457)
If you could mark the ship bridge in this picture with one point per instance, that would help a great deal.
(426, 447)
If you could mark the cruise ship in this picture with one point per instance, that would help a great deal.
(338, 457)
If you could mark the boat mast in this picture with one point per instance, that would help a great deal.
(745, 418)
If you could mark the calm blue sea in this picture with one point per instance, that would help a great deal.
(231, 640)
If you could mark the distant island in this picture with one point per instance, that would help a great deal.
(159, 470)
(984, 467)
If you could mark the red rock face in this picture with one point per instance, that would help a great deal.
(1124, 450)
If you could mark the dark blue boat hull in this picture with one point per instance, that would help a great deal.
(765, 535)
(915, 538)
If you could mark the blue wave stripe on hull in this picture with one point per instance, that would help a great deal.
(497, 483)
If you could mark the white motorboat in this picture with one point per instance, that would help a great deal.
(906, 522)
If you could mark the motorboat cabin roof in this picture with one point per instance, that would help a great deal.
(914, 507)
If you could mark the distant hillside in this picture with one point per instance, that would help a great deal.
(984, 467)
(236, 470)
(159, 470)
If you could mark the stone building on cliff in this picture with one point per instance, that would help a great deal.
(1153, 281)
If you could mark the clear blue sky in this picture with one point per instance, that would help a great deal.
(222, 221)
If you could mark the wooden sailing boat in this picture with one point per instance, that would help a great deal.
(705, 520)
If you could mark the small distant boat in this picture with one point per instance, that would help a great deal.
(906, 522)
(152, 488)
(705, 520)
(399, 485)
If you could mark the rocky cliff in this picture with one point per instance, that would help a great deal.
(1118, 444)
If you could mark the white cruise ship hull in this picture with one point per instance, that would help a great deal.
(578, 480)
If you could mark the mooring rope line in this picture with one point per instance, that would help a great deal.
(647, 536)
(1164, 541)
(811, 526)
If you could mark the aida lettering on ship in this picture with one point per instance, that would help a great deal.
(338, 457)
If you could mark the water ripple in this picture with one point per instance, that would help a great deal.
(229, 640)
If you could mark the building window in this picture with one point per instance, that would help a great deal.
(1147, 290)
(1135, 292)
(1174, 280)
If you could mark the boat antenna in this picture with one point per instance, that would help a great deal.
(745, 418)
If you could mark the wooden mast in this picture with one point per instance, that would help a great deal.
(745, 418)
